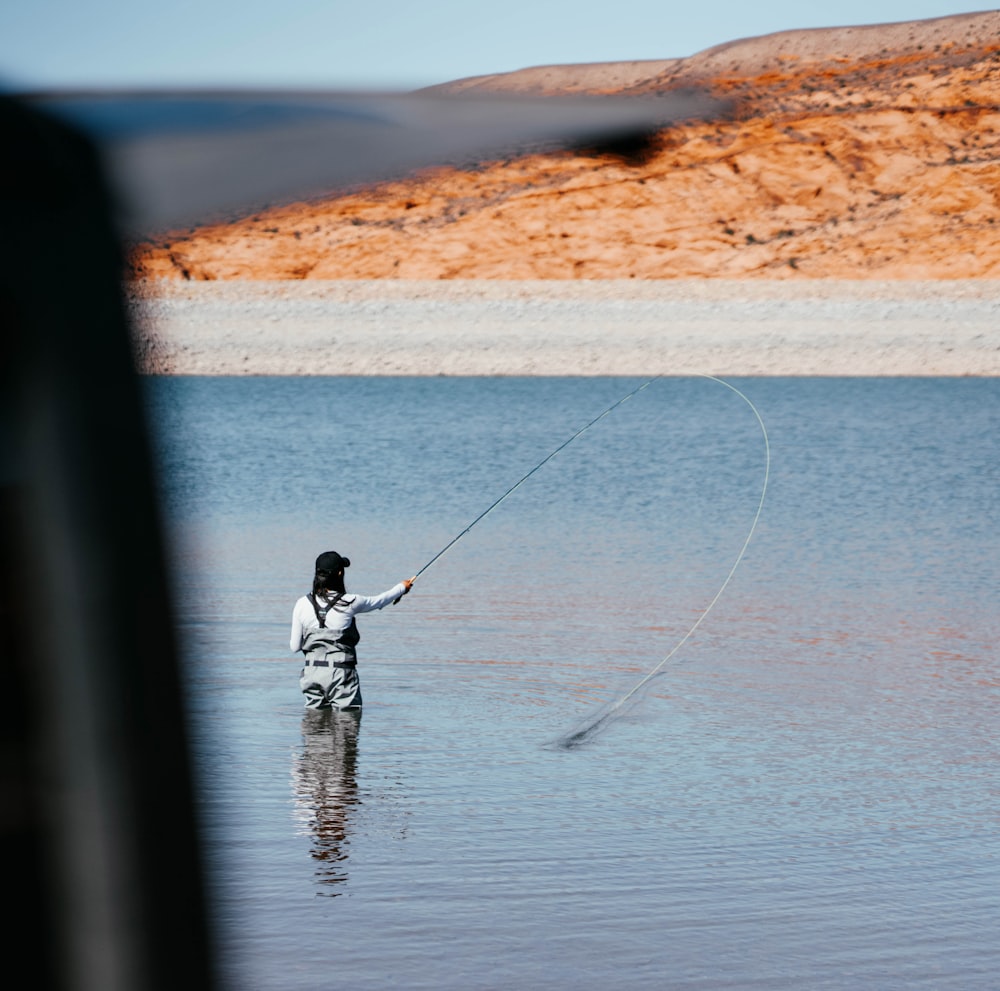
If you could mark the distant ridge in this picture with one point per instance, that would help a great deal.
(745, 56)
(850, 153)
(546, 80)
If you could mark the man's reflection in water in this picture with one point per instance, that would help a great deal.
(326, 788)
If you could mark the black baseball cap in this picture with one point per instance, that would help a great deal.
(331, 561)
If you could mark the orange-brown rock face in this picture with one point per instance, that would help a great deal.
(852, 153)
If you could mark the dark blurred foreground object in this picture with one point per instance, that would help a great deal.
(101, 862)
(101, 857)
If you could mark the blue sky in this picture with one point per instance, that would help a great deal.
(380, 44)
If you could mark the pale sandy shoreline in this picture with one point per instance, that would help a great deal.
(621, 327)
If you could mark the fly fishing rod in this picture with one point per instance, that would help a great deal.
(489, 509)
(595, 723)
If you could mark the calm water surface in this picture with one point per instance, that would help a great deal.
(806, 797)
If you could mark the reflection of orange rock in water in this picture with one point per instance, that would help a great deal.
(853, 153)
(324, 776)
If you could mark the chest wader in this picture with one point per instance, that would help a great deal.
(330, 676)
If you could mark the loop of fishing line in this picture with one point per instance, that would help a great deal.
(739, 557)
(594, 723)
(589, 727)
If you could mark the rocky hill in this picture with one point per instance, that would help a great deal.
(862, 153)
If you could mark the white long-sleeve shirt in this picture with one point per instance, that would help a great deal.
(339, 618)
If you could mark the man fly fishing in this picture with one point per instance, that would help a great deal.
(324, 629)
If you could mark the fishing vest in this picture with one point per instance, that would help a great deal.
(323, 646)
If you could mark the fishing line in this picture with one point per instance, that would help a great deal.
(451, 543)
(599, 720)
